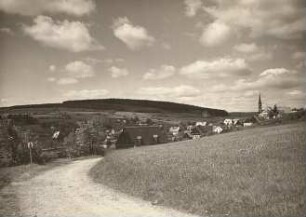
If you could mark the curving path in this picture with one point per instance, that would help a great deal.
(68, 191)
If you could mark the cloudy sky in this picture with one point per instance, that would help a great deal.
(212, 53)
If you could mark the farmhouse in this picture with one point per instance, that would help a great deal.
(217, 129)
(140, 135)
(201, 123)
(175, 130)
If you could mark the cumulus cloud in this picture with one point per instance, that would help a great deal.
(165, 71)
(215, 34)
(260, 56)
(276, 78)
(37, 7)
(52, 68)
(253, 52)
(182, 91)
(295, 93)
(68, 80)
(246, 48)
(86, 94)
(71, 36)
(192, 7)
(221, 68)
(118, 72)
(51, 79)
(282, 19)
(79, 69)
(135, 37)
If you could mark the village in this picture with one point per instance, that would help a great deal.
(68, 138)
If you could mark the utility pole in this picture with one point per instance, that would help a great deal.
(30, 146)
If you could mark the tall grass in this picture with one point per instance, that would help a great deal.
(256, 172)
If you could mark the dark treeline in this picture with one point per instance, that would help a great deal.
(129, 105)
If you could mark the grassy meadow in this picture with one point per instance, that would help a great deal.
(256, 172)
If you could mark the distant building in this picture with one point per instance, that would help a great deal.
(175, 130)
(201, 123)
(228, 121)
(140, 136)
(217, 129)
(247, 124)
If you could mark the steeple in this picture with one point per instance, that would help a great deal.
(259, 104)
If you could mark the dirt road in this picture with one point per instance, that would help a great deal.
(68, 191)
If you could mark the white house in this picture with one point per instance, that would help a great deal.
(201, 123)
(217, 129)
(247, 124)
(174, 130)
(228, 121)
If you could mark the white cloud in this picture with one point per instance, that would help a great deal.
(277, 79)
(246, 48)
(72, 36)
(284, 19)
(182, 91)
(135, 37)
(52, 68)
(192, 7)
(165, 71)
(51, 79)
(79, 69)
(86, 94)
(37, 7)
(215, 34)
(64, 81)
(253, 52)
(221, 68)
(260, 56)
(295, 92)
(118, 72)
(166, 46)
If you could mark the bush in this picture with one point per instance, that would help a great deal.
(46, 157)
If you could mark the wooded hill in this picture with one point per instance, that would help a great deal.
(128, 105)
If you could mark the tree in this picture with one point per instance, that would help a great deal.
(13, 141)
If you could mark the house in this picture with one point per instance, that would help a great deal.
(228, 122)
(236, 121)
(201, 123)
(205, 130)
(247, 124)
(189, 135)
(175, 130)
(217, 129)
(140, 135)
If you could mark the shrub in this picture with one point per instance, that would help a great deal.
(46, 157)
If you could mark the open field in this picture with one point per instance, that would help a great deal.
(256, 172)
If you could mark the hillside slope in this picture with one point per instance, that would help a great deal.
(256, 172)
(145, 106)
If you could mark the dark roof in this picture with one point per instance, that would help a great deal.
(129, 135)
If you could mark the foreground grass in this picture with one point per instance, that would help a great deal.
(256, 172)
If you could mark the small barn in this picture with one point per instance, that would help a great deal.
(140, 135)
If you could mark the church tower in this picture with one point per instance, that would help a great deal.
(259, 104)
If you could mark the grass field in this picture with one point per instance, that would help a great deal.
(256, 172)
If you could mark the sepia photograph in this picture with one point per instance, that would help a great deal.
(152, 108)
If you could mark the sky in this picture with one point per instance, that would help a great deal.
(211, 53)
